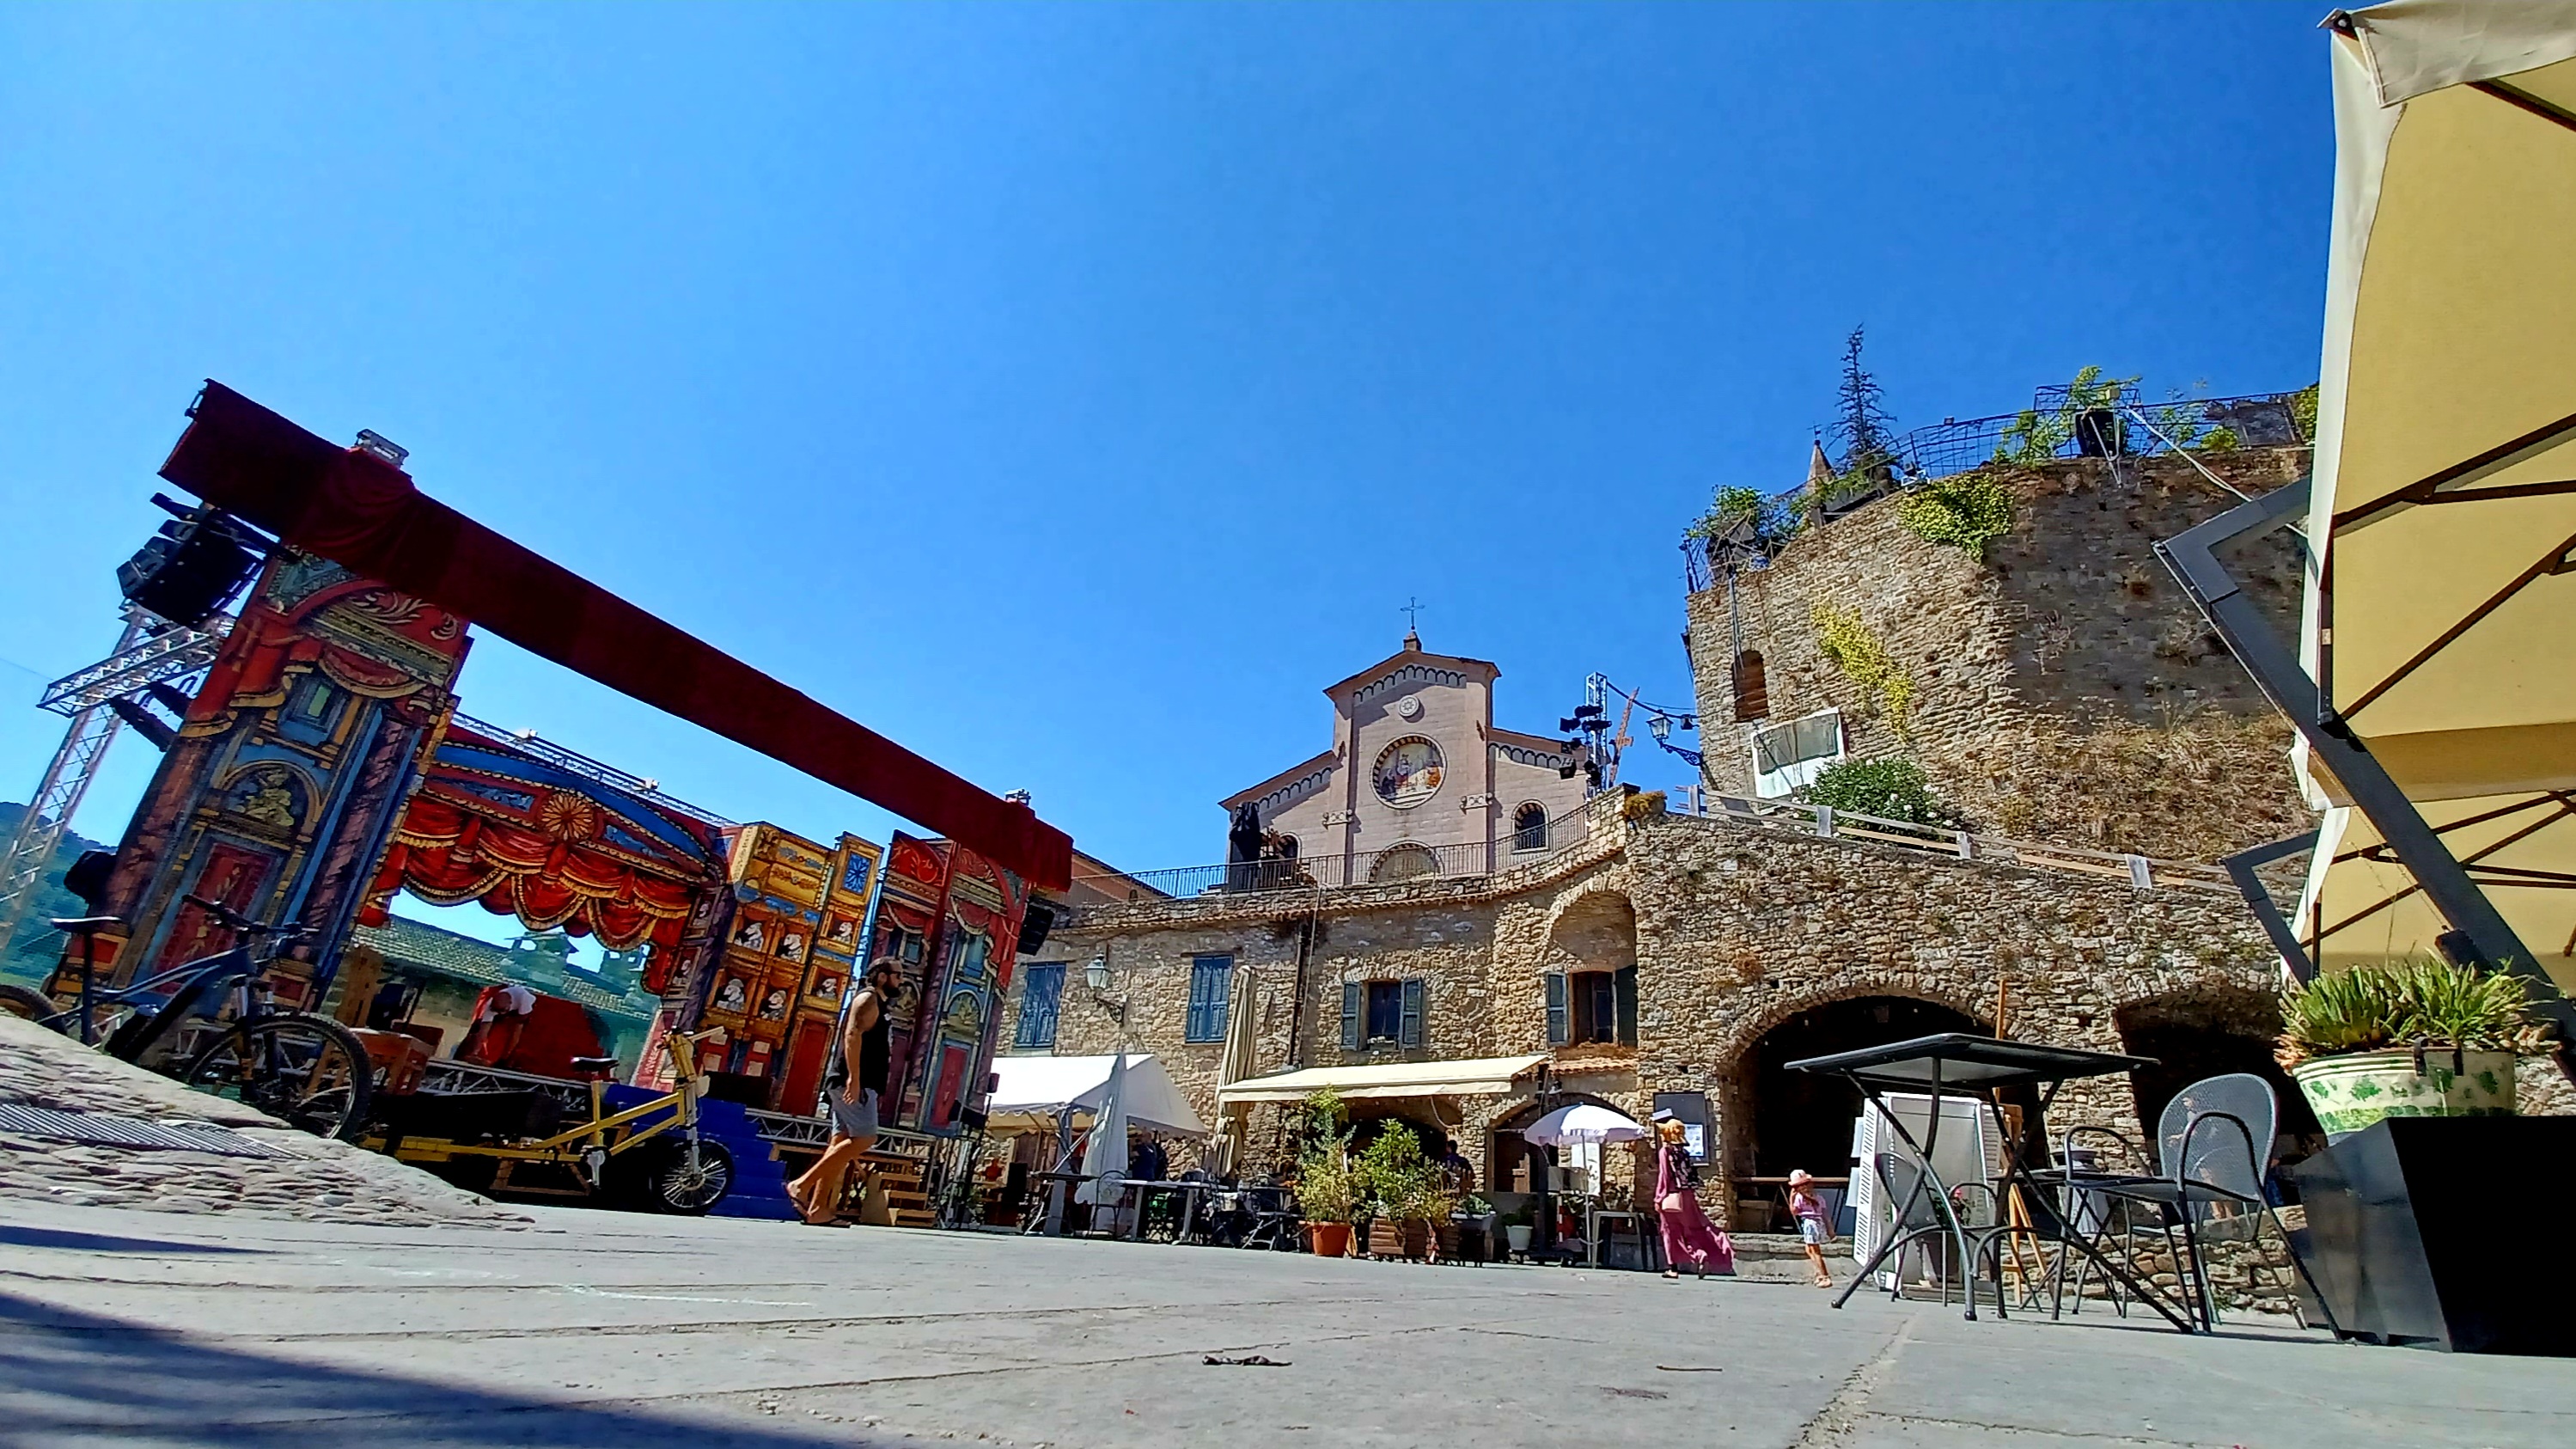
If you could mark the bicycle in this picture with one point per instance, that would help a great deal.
(304, 1069)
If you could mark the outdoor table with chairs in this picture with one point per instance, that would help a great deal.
(2212, 1158)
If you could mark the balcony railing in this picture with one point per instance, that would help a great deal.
(1825, 822)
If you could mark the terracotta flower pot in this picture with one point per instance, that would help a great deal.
(2350, 1092)
(1328, 1240)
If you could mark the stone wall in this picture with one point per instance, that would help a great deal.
(1734, 929)
(2064, 688)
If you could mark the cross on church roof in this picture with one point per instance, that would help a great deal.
(1412, 623)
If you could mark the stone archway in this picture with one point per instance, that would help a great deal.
(1773, 1120)
(1506, 1152)
(2209, 1032)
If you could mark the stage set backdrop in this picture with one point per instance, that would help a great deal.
(323, 768)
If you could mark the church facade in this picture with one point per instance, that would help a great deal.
(1418, 781)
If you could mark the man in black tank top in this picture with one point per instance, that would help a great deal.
(852, 1092)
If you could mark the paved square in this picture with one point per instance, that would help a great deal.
(141, 1328)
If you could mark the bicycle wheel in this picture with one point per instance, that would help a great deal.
(305, 1070)
(24, 1004)
(667, 1182)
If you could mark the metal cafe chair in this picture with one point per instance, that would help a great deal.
(2233, 1170)
(1917, 1220)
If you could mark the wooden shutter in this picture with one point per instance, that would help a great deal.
(1752, 695)
(1351, 993)
(1210, 979)
(1625, 984)
(1410, 1032)
(1556, 1008)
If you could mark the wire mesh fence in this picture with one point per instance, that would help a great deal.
(2109, 420)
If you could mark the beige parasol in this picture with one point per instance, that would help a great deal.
(2443, 503)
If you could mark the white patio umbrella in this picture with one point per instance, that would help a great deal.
(1583, 1124)
(1107, 1150)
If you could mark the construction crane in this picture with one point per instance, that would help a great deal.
(99, 700)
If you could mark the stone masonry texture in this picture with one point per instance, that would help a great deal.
(2065, 689)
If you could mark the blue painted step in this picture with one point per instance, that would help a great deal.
(759, 1180)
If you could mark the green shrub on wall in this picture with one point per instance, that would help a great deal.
(1852, 647)
(1888, 789)
(1969, 511)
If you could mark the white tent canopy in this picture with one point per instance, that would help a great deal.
(1035, 1091)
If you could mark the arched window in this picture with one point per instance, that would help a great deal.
(1529, 827)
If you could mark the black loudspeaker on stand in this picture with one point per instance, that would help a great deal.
(1034, 926)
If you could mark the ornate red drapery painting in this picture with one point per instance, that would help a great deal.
(524, 837)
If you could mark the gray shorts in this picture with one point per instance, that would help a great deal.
(854, 1119)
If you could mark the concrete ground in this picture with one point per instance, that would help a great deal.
(591, 1328)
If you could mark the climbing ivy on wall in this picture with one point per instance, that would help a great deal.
(1969, 511)
(1852, 647)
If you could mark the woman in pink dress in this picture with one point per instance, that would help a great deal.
(1689, 1237)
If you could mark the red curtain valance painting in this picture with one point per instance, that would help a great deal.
(521, 838)
(447, 857)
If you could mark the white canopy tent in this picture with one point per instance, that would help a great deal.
(1035, 1091)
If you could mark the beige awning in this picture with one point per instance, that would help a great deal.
(1473, 1077)
(2444, 501)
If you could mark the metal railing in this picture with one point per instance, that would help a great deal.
(1826, 823)
(529, 742)
(2056, 425)
(1394, 864)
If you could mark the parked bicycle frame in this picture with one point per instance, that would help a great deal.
(212, 1024)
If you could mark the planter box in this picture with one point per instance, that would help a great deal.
(2349, 1093)
(1388, 1239)
(1329, 1240)
(2404, 1244)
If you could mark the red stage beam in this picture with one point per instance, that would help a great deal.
(363, 513)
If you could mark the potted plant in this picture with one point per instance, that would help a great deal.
(1327, 1187)
(1405, 1192)
(1518, 1226)
(2415, 1038)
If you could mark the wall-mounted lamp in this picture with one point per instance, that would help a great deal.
(1095, 975)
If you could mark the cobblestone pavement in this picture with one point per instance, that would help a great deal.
(598, 1328)
(319, 1182)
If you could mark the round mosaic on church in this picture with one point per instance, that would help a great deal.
(1408, 772)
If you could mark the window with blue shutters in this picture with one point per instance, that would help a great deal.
(1040, 991)
(1556, 1022)
(1351, 999)
(1211, 985)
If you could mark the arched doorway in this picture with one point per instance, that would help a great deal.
(2192, 1038)
(1777, 1120)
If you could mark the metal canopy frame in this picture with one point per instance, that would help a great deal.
(2480, 935)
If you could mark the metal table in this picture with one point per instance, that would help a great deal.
(1978, 1067)
(1190, 1191)
(1647, 1242)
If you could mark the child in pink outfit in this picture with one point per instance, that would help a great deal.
(1815, 1232)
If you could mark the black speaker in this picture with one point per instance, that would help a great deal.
(971, 1120)
(87, 877)
(1034, 926)
(189, 570)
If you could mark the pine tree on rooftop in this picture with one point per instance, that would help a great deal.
(1862, 425)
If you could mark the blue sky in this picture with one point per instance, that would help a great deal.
(1072, 391)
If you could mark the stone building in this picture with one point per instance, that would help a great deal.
(1653, 958)
(2061, 688)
